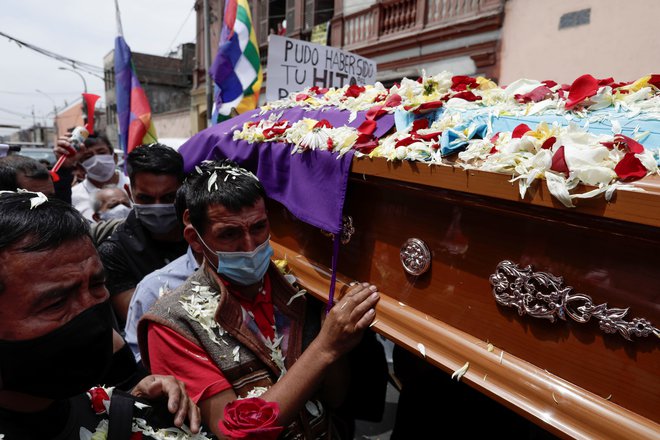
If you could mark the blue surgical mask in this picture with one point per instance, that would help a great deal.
(243, 268)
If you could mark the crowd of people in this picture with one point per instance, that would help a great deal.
(149, 300)
(156, 287)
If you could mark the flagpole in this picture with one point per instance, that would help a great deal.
(207, 63)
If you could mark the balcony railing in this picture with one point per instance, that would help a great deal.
(387, 18)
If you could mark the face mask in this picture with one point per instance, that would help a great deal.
(244, 268)
(158, 219)
(100, 167)
(117, 212)
(63, 363)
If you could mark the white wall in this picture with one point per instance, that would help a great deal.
(622, 40)
(173, 124)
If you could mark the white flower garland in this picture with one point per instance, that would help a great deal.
(201, 306)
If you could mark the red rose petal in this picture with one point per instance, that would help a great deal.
(430, 105)
(655, 81)
(632, 145)
(520, 131)
(630, 168)
(419, 124)
(354, 91)
(581, 89)
(549, 143)
(468, 96)
(365, 143)
(559, 161)
(549, 83)
(318, 90)
(393, 100)
(429, 136)
(367, 127)
(538, 94)
(323, 123)
(375, 112)
(463, 82)
(404, 142)
(495, 137)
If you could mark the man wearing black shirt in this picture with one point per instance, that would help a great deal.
(56, 330)
(151, 236)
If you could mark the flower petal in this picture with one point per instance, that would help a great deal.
(630, 168)
(581, 89)
(559, 161)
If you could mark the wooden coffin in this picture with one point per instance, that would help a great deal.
(554, 365)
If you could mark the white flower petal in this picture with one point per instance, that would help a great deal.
(458, 374)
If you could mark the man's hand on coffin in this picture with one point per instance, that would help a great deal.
(321, 362)
(344, 326)
(178, 402)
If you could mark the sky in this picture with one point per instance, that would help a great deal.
(83, 30)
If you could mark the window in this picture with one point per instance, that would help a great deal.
(576, 18)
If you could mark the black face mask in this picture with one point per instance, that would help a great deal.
(63, 363)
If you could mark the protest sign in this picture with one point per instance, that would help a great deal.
(296, 64)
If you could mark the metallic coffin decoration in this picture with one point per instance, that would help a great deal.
(415, 256)
(542, 295)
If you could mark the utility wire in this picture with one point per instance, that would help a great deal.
(22, 115)
(75, 64)
(169, 48)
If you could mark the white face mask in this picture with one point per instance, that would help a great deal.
(116, 212)
(100, 167)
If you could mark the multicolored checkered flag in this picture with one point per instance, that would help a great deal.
(236, 69)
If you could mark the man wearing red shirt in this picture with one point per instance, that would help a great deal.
(237, 329)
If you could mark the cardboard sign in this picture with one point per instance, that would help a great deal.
(296, 64)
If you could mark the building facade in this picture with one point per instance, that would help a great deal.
(564, 39)
(167, 82)
(501, 39)
(405, 38)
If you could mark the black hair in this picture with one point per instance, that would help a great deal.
(180, 203)
(232, 187)
(99, 138)
(154, 158)
(45, 226)
(11, 166)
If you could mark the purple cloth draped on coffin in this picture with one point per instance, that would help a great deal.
(312, 185)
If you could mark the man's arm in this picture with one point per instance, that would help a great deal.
(120, 303)
(119, 278)
(143, 298)
(341, 331)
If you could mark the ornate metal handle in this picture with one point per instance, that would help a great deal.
(542, 295)
(415, 256)
(347, 230)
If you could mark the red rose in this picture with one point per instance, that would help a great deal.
(97, 395)
(251, 419)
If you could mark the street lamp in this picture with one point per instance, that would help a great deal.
(54, 111)
(77, 73)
